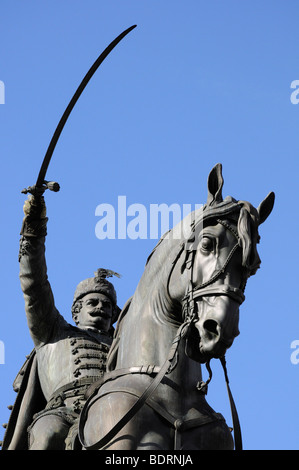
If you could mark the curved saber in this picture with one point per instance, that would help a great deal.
(42, 173)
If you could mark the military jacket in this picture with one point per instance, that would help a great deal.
(65, 354)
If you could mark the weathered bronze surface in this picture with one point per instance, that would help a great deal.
(184, 312)
(66, 358)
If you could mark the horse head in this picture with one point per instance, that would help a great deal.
(196, 274)
(212, 266)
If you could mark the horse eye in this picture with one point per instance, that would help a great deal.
(207, 244)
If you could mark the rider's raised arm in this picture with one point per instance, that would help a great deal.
(39, 301)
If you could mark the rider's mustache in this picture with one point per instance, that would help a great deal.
(99, 312)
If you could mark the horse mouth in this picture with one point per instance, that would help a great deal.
(209, 350)
(206, 341)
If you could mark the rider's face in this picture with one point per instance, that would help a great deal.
(96, 311)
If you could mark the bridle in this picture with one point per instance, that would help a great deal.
(207, 288)
(190, 316)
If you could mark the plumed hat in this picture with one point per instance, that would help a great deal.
(100, 285)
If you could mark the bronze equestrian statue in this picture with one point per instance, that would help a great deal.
(184, 312)
(66, 359)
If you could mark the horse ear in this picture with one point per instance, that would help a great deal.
(215, 183)
(265, 207)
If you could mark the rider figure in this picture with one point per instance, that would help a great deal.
(69, 358)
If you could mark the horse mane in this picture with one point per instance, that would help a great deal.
(170, 245)
(249, 237)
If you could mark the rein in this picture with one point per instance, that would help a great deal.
(165, 369)
(206, 288)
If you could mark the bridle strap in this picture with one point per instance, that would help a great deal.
(128, 416)
(233, 292)
(205, 289)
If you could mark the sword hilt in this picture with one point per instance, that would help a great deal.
(52, 185)
(39, 190)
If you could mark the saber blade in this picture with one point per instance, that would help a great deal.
(42, 173)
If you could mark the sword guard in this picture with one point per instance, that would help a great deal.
(39, 190)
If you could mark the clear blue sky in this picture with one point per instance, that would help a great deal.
(194, 84)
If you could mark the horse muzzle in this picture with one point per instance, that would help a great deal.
(212, 343)
(217, 325)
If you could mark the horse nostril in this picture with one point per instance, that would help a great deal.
(211, 327)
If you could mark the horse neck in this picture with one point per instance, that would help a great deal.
(149, 326)
(146, 339)
(146, 332)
